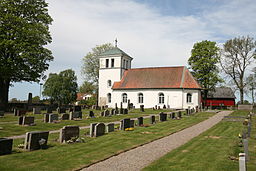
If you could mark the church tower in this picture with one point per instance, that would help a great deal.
(113, 63)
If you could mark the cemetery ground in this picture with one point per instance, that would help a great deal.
(216, 149)
(77, 155)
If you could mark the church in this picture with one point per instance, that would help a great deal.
(172, 87)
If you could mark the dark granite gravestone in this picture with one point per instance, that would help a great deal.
(102, 113)
(1, 113)
(153, 119)
(106, 113)
(132, 122)
(125, 111)
(26, 120)
(53, 117)
(92, 128)
(46, 117)
(116, 111)
(155, 106)
(91, 114)
(61, 110)
(36, 140)
(179, 114)
(164, 107)
(113, 112)
(110, 127)
(64, 116)
(121, 111)
(116, 108)
(21, 112)
(77, 109)
(125, 123)
(187, 111)
(5, 146)
(36, 110)
(158, 108)
(75, 115)
(162, 117)
(99, 129)
(140, 121)
(68, 132)
(142, 108)
(173, 115)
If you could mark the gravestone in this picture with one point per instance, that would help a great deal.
(53, 117)
(242, 162)
(26, 120)
(132, 122)
(245, 144)
(125, 123)
(140, 121)
(1, 113)
(77, 109)
(36, 140)
(102, 113)
(121, 105)
(49, 110)
(162, 117)
(187, 111)
(15, 112)
(5, 146)
(121, 111)
(64, 116)
(91, 114)
(179, 114)
(164, 107)
(116, 111)
(249, 129)
(116, 108)
(173, 115)
(68, 132)
(158, 108)
(99, 129)
(153, 119)
(155, 106)
(142, 108)
(125, 111)
(92, 128)
(113, 112)
(110, 127)
(21, 112)
(61, 110)
(106, 113)
(36, 110)
(102, 108)
(75, 115)
(46, 117)
(128, 105)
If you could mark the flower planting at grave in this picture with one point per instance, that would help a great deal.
(129, 129)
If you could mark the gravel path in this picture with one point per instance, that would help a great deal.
(140, 157)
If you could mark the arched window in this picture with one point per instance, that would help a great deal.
(109, 97)
(124, 97)
(140, 98)
(161, 98)
(189, 98)
(109, 83)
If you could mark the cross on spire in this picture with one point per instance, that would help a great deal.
(116, 42)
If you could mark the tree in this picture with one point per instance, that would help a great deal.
(62, 87)
(36, 99)
(24, 33)
(251, 85)
(238, 54)
(203, 63)
(87, 87)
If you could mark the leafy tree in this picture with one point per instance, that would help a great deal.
(238, 55)
(203, 63)
(35, 99)
(24, 32)
(62, 87)
(87, 87)
(251, 85)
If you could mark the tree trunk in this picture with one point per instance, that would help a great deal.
(205, 98)
(4, 92)
(241, 96)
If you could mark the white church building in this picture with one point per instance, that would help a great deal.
(173, 87)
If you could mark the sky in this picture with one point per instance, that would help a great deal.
(153, 32)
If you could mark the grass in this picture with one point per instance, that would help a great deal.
(210, 151)
(10, 126)
(74, 156)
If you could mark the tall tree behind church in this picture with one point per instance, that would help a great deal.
(203, 64)
(24, 34)
(90, 67)
(238, 54)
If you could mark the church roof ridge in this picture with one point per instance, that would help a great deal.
(165, 67)
(114, 51)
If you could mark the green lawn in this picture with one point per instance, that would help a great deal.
(75, 156)
(9, 128)
(210, 151)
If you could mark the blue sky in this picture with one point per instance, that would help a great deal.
(153, 32)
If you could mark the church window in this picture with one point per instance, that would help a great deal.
(112, 63)
(107, 63)
(124, 97)
(189, 98)
(140, 98)
(109, 97)
(109, 83)
(124, 64)
(161, 98)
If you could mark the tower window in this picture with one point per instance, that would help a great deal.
(109, 97)
(161, 98)
(109, 83)
(140, 98)
(189, 98)
(112, 63)
(124, 97)
(107, 63)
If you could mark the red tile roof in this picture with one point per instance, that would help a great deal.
(80, 96)
(159, 77)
